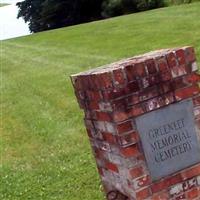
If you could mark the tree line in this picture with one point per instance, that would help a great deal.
(44, 15)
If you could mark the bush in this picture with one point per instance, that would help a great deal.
(118, 7)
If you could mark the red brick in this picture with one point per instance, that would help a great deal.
(196, 101)
(85, 81)
(132, 87)
(165, 183)
(82, 103)
(124, 127)
(82, 95)
(187, 92)
(136, 172)
(137, 110)
(180, 53)
(158, 186)
(130, 151)
(139, 70)
(182, 196)
(130, 73)
(162, 64)
(168, 98)
(109, 138)
(164, 195)
(189, 173)
(154, 79)
(93, 82)
(178, 71)
(77, 82)
(111, 166)
(143, 194)
(119, 104)
(145, 83)
(105, 80)
(143, 181)
(149, 93)
(98, 153)
(154, 103)
(172, 180)
(103, 116)
(92, 95)
(165, 87)
(192, 193)
(151, 66)
(166, 76)
(190, 54)
(193, 78)
(128, 139)
(133, 99)
(180, 83)
(120, 116)
(93, 105)
(171, 59)
(113, 94)
(119, 77)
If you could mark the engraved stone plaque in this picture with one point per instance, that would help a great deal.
(169, 139)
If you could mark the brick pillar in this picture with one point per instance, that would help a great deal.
(116, 97)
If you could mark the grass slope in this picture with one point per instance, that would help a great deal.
(45, 153)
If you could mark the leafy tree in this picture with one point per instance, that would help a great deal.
(117, 7)
(49, 14)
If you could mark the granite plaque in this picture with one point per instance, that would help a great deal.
(169, 139)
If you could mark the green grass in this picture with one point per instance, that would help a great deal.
(3, 4)
(45, 153)
(178, 2)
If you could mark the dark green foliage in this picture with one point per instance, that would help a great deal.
(50, 14)
(117, 7)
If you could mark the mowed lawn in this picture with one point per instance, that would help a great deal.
(45, 153)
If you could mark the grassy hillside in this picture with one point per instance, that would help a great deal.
(45, 153)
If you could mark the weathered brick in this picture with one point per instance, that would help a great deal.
(110, 138)
(165, 183)
(132, 87)
(180, 54)
(103, 116)
(111, 166)
(113, 96)
(119, 77)
(190, 54)
(104, 80)
(163, 195)
(187, 92)
(193, 193)
(191, 172)
(130, 73)
(171, 59)
(136, 172)
(124, 127)
(128, 139)
(143, 194)
(130, 151)
(162, 64)
(151, 66)
(139, 69)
